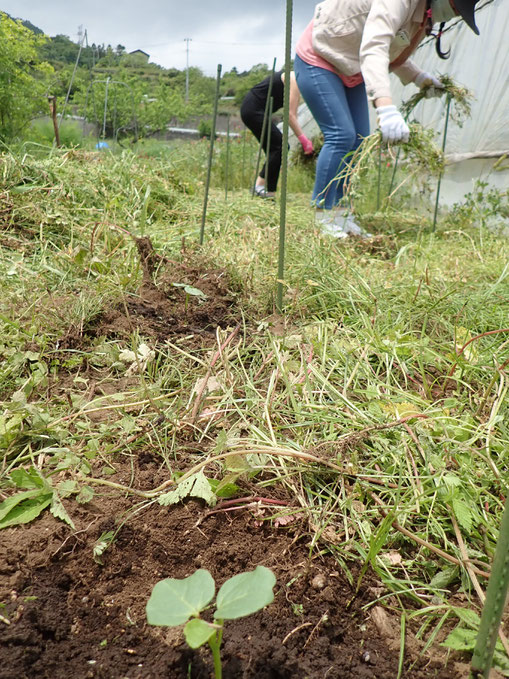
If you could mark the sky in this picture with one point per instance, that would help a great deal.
(238, 33)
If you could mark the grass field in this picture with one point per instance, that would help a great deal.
(376, 403)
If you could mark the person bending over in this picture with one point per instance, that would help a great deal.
(347, 52)
(252, 112)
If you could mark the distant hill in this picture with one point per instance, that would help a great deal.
(26, 23)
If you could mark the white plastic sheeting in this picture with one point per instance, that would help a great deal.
(480, 63)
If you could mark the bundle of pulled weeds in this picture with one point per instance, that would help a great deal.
(461, 100)
(419, 154)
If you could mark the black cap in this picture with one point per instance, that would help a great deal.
(466, 8)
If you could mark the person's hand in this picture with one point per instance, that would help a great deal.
(431, 86)
(392, 124)
(307, 144)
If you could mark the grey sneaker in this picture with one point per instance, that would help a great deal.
(329, 225)
(261, 192)
(346, 221)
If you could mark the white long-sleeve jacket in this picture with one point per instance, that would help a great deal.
(367, 36)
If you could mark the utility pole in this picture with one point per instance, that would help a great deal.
(187, 41)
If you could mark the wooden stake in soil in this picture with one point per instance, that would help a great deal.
(284, 160)
(264, 126)
(53, 106)
(211, 152)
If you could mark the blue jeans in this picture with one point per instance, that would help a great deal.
(342, 115)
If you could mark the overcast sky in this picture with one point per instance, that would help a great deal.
(238, 33)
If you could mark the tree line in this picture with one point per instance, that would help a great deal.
(110, 87)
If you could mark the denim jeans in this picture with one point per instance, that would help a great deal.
(342, 115)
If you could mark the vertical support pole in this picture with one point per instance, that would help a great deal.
(244, 135)
(187, 41)
(494, 605)
(379, 174)
(211, 152)
(446, 125)
(264, 126)
(284, 162)
(227, 159)
(269, 130)
(53, 107)
(103, 134)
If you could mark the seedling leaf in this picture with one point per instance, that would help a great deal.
(461, 639)
(245, 593)
(59, 512)
(196, 485)
(197, 632)
(173, 601)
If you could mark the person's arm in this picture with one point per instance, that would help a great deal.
(382, 24)
(293, 116)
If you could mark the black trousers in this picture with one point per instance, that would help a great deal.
(252, 113)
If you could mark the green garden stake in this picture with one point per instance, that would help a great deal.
(379, 175)
(264, 126)
(211, 152)
(446, 125)
(284, 160)
(493, 609)
(269, 124)
(244, 136)
(227, 159)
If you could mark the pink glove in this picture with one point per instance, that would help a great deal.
(307, 144)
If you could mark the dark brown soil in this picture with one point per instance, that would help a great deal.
(69, 616)
(164, 310)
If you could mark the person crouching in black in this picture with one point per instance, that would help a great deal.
(252, 112)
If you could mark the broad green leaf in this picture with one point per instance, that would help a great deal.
(245, 593)
(197, 632)
(463, 514)
(444, 577)
(7, 505)
(66, 488)
(461, 639)
(189, 290)
(23, 507)
(468, 617)
(27, 479)
(85, 495)
(196, 485)
(173, 601)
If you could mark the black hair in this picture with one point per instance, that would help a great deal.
(429, 31)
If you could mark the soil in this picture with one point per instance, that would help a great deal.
(166, 310)
(64, 614)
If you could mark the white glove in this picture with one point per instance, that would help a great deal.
(392, 124)
(432, 86)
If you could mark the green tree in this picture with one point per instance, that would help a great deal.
(23, 77)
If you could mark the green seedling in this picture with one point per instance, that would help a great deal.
(180, 602)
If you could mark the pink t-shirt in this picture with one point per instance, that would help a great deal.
(306, 52)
